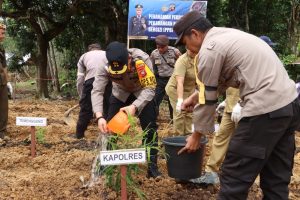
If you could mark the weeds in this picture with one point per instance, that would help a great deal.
(40, 135)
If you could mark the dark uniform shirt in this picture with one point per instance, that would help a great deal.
(137, 26)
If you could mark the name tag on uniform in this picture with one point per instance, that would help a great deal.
(170, 60)
(157, 61)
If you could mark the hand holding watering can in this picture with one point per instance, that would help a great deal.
(119, 124)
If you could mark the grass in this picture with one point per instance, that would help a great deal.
(28, 85)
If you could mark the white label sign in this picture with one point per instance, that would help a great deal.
(124, 156)
(31, 121)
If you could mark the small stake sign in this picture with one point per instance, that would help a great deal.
(123, 157)
(32, 122)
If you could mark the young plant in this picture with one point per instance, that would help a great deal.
(132, 139)
(40, 135)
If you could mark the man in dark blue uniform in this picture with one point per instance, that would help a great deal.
(138, 23)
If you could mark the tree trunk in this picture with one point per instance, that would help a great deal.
(106, 35)
(54, 67)
(83, 43)
(42, 65)
(50, 70)
(294, 28)
(51, 59)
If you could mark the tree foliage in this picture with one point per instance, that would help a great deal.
(73, 24)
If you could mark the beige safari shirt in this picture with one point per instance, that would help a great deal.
(184, 67)
(123, 84)
(87, 66)
(232, 58)
(165, 62)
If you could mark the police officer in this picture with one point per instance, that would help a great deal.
(3, 86)
(87, 67)
(163, 59)
(138, 23)
(231, 116)
(129, 93)
(264, 141)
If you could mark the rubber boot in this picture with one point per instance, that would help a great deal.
(153, 168)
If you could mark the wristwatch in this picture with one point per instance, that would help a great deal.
(97, 119)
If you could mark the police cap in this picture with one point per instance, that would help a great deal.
(117, 55)
(267, 40)
(184, 23)
(138, 6)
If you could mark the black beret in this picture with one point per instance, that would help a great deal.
(162, 40)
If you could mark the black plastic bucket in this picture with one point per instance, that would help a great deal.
(186, 165)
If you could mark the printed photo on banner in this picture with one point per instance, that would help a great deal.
(149, 18)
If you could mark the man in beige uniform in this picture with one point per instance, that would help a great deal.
(163, 60)
(3, 86)
(129, 93)
(264, 141)
(180, 86)
(230, 118)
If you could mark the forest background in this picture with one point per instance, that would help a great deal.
(53, 34)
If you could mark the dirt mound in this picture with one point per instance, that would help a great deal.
(63, 165)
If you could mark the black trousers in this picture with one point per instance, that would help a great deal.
(261, 145)
(86, 109)
(147, 119)
(160, 92)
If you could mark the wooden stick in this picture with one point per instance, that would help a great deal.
(123, 182)
(33, 141)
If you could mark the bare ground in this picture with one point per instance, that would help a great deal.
(63, 165)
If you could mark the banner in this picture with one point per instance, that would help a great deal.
(149, 18)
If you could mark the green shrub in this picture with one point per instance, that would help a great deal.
(40, 135)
